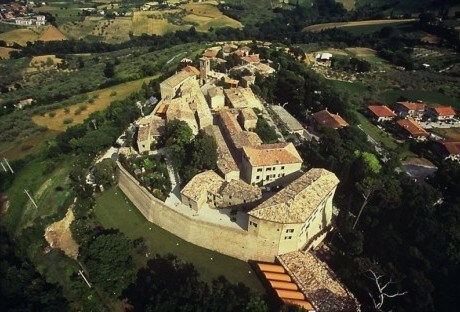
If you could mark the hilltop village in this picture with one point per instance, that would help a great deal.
(258, 204)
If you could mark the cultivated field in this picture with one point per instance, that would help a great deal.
(51, 33)
(43, 63)
(386, 22)
(5, 53)
(102, 98)
(143, 23)
(203, 16)
(21, 36)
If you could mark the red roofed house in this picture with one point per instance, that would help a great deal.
(441, 113)
(251, 59)
(410, 109)
(449, 149)
(192, 70)
(412, 129)
(210, 53)
(325, 119)
(381, 112)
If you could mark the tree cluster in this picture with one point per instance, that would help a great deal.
(168, 284)
(190, 155)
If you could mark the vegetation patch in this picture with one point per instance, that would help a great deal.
(20, 36)
(5, 53)
(102, 97)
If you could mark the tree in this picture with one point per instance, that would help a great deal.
(104, 172)
(382, 291)
(266, 133)
(204, 155)
(108, 260)
(109, 70)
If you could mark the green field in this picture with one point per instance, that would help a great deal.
(368, 29)
(349, 87)
(378, 135)
(42, 187)
(429, 97)
(114, 210)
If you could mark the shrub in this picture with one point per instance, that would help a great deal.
(51, 114)
(113, 93)
(67, 121)
(66, 110)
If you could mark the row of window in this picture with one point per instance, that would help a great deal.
(269, 169)
(271, 176)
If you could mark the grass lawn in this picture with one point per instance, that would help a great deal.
(378, 135)
(114, 210)
(429, 97)
(42, 187)
(349, 87)
(102, 98)
(20, 36)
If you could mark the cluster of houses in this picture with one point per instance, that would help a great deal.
(293, 220)
(18, 14)
(414, 118)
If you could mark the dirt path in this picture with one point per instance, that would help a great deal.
(58, 235)
(324, 26)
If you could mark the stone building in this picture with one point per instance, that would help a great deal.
(216, 97)
(266, 163)
(296, 218)
(247, 118)
(209, 188)
(149, 130)
(170, 86)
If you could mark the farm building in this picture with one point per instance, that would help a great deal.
(441, 113)
(410, 109)
(412, 129)
(325, 119)
(381, 113)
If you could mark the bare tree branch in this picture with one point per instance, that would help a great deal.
(379, 299)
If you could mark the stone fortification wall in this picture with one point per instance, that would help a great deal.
(225, 240)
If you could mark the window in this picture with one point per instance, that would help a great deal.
(253, 224)
(258, 177)
(290, 231)
(259, 169)
(274, 168)
(267, 178)
(287, 237)
(282, 167)
(268, 169)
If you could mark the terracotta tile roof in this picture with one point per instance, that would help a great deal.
(241, 189)
(191, 69)
(452, 147)
(211, 182)
(225, 161)
(202, 183)
(297, 201)
(318, 283)
(272, 154)
(177, 79)
(216, 91)
(419, 107)
(239, 53)
(413, 128)
(325, 119)
(381, 111)
(251, 58)
(248, 114)
(210, 53)
(229, 122)
(444, 111)
(150, 126)
(246, 139)
(242, 97)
